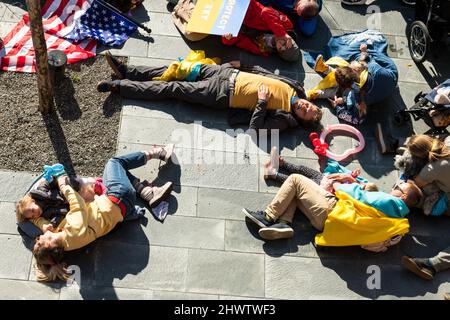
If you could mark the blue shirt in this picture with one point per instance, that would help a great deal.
(391, 206)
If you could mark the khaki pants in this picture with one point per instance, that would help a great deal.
(300, 192)
(442, 260)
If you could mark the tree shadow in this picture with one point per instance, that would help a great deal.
(59, 142)
(65, 101)
(112, 105)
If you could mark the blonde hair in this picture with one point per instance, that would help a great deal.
(426, 147)
(21, 206)
(370, 186)
(49, 266)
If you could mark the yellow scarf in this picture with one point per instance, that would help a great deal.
(354, 223)
(179, 70)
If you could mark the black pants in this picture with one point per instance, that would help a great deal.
(291, 168)
(210, 89)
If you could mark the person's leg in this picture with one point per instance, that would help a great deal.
(310, 173)
(202, 92)
(312, 200)
(116, 178)
(282, 228)
(143, 73)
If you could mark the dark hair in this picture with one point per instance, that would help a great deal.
(345, 77)
(311, 124)
(49, 264)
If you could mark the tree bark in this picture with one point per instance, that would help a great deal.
(46, 103)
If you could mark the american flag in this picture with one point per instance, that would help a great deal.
(59, 18)
(103, 24)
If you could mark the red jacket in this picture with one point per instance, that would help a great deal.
(264, 19)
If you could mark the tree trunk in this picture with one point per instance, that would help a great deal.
(40, 48)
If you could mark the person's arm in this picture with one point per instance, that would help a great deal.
(273, 23)
(260, 119)
(244, 42)
(77, 230)
(420, 182)
(41, 223)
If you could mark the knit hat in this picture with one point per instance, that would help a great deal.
(292, 54)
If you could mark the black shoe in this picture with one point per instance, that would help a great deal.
(108, 86)
(116, 65)
(276, 231)
(258, 217)
(420, 267)
(385, 141)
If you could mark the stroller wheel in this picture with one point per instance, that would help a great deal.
(419, 41)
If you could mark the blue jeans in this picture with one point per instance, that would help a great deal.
(117, 178)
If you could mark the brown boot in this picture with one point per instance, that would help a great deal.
(163, 153)
(154, 195)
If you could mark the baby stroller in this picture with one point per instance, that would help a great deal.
(435, 115)
(432, 24)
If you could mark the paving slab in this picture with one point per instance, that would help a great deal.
(8, 218)
(200, 169)
(174, 110)
(310, 279)
(188, 232)
(173, 295)
(13, 185)
(243, 237)
(132, 47)
(104, 293)
(26, 290)
(228, 204)
(18, 262)
(226, 273)
(145, 267)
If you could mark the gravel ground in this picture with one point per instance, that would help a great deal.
(81, 133)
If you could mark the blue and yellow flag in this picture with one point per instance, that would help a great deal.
(218, 16)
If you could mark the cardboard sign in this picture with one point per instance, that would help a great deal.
(218, 16)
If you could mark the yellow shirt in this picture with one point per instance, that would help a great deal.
(246, 92)
(86, 222)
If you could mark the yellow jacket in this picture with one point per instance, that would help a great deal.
(86, 222)
(352, 222)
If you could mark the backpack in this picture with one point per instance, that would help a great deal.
(181, 15)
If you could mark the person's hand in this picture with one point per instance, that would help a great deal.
(62, 181)
(356, 172)
(263, 92)
(48, 227)
(362, 109)
(228, 36)
(235, 64)
(336, 101)
(281, 43)
(289, 41)
(363, 47)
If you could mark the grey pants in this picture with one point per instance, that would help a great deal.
(210, 89)
(442, 260)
